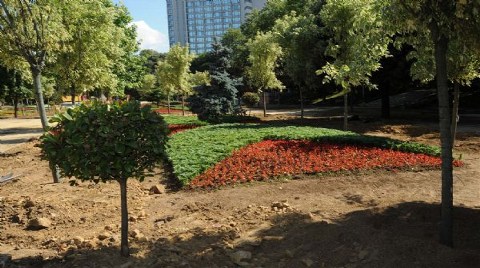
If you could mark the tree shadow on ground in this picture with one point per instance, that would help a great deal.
(404, 235)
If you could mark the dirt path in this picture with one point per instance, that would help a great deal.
(374, 219)
(14, 132)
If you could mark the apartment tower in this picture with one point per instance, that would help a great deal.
(198, 22)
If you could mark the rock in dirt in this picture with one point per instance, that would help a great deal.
(103, 236)
(39, 223)
(157, 189)
(78, 240)
(240, 256)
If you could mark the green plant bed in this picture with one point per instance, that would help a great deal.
(192, 152)
(183, 120)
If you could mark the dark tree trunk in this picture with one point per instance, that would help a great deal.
(264, 104)
(72, 93)
(446, 226)
(15, 107)
(168, 103)
(345, 112)
(301, 103)
(183, 105)
(385, 102)
(124, 250)
(37, 85)
(456, 103)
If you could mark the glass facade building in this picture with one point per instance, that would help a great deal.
(198, 22)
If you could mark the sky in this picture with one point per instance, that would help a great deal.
(150, 17)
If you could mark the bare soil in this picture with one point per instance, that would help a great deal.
(373, 219)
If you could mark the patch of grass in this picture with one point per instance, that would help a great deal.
(192, 152)
(183, 120)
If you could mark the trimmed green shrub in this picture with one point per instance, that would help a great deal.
(101, 142)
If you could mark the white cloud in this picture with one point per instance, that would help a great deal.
(150, 38)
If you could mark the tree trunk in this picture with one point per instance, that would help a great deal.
(168, 103)
(345, 112)
(385, 102)
(72, 93)
(301, 104)
(456, 103)
(55, 172)
(15, 107)
(124, 250)
(446, 226)
(183, 105)
(264, 104)
(37, 85)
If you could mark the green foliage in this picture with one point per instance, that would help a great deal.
(183, 120)
(358, 41)
(264, 55)
(250, 98)
(192, 152)
(219, 98)
(89, 56)
(102, 142)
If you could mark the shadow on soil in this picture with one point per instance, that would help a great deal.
(399, 236)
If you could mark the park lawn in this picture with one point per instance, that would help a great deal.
(193, 152)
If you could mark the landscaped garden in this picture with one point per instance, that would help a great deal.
(215, 155)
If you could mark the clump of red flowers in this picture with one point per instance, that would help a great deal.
(272, 158)
(175, 128)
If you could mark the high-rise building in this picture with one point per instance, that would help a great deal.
(198, 22)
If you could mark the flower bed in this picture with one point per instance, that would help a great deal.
(271, 158)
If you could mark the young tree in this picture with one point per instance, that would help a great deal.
(107, 143)
(301, 40)
(32, 32)
(264, 54)
(447, 29)
(174, 73)
(89, 57)
(357, 43)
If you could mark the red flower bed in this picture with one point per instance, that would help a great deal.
(165, 111)
(269, 158)
(179, 128)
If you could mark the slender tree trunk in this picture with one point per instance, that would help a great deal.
(15, 107)
(124, 250)
(55, 172)
(456, 103)
(183, 105)
(345, 112)
(446, 226)
(301, 103)
(168, 103)
(72, 93)
(264, 104)
(37, 85)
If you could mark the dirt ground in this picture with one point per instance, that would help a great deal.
(373, 219)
